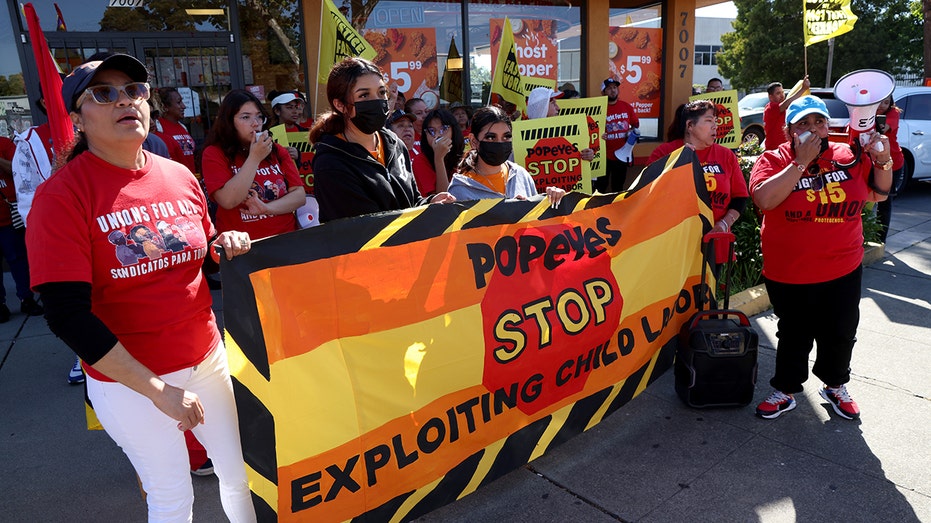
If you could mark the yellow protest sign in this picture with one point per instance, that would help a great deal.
(728, 119)
(595, 110)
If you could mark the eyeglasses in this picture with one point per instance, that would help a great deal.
(108, 94)
(248, 119)
(433, 131)
(818, 183)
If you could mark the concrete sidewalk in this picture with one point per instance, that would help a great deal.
(653, 460)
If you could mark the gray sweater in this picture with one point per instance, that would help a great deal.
(519, 183)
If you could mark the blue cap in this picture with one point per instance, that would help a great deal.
(804, 106)
(80, 78)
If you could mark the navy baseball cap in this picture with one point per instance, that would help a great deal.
(81, 77)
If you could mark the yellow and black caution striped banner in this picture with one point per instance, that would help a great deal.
(386, 365)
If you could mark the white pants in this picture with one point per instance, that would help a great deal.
(156, 447)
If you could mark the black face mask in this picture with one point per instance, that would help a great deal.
(495, 153)
(371, 115)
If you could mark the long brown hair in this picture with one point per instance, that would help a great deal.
(339, 86)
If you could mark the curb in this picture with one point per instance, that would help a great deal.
(755, 300)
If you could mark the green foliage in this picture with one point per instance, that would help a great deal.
(767, 43)
(12, 85)
(747, 271)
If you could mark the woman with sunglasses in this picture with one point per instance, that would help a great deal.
(486, 172)
(253, 180)
(441, 139)
(812, 192)
(116, 243)
(695, 126)
(359, 166)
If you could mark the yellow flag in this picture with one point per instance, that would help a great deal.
(338, 40)
(825, 19)
(507, 81)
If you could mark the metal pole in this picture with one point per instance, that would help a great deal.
(827, 79)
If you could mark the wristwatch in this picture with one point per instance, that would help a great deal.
(800, 167)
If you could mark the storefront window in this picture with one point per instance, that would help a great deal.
(15, 115)
(272, 39)
(635, 58)
(422, 47)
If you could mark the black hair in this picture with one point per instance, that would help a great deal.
(455, 153)
(482, 118)
(771, 88)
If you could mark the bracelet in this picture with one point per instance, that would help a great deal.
(726, 226)
(878, 191)
(884, 165)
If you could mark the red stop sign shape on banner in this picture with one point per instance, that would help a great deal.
(549, 313)
(725, 121)
(555, 162)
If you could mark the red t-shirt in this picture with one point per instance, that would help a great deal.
(425, 175)
(723, 176)
(272, 181)
(814, 236)
(774, 122)
(664, 149)
(180, 143)
(7, 150)
(139, 237)
(618, 121)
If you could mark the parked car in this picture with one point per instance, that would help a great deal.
(752, 105)
(914, 132)
(750, 110)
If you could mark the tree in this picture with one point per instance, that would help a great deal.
(767, 44)
(926, 11)
(13, 85)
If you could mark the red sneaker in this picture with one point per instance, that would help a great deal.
(775, 405)
(840, 399)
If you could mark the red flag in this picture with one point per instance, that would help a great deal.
(58, 119)
(61, 20)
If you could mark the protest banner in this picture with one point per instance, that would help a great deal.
(308, 215)
(388, 364)
(825, 19)
(550, 150)
(529, 83)
(635, 59)
(594, 110)
(729, 133)
(505, 76)
(408, 55)
(338, 40)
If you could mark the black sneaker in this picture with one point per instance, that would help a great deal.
(30, 307)
(4, 313)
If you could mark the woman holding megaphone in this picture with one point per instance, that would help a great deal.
(812, 192)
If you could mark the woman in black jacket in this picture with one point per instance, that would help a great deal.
(359, 166)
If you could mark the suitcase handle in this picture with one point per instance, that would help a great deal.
(732, 313)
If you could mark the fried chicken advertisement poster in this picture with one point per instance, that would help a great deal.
(408, 55)
(535, 42)
(635, 57)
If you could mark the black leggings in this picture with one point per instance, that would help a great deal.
(826, 312)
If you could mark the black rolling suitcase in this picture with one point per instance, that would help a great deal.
(716, 359)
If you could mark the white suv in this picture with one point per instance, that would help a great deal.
(914, 132)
